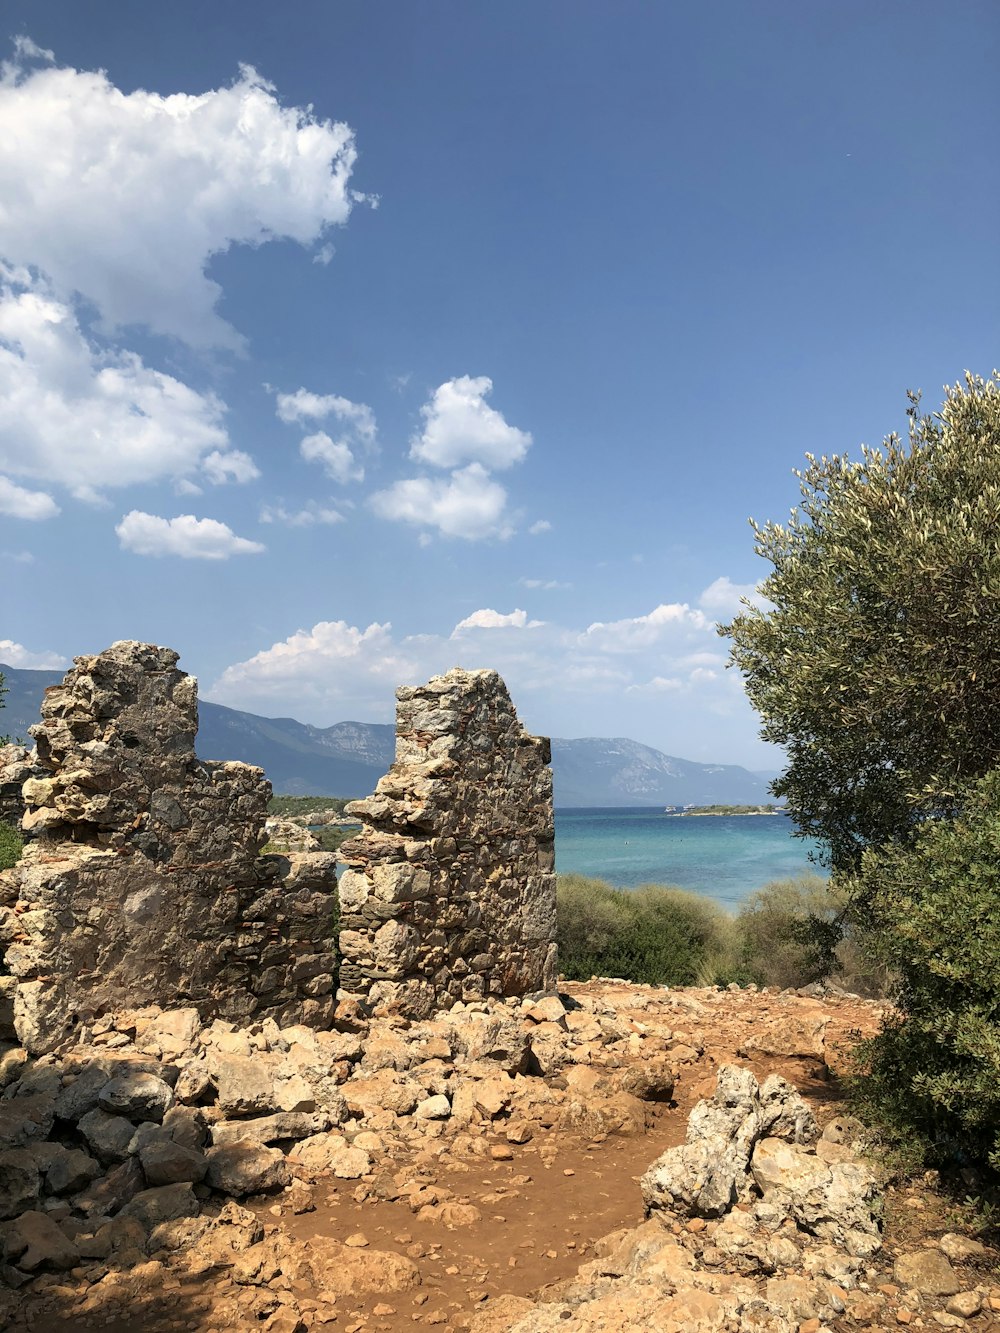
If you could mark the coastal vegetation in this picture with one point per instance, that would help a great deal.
(314, 812)
(290, 807)
(874, 662)
(662, 935)
(653, 934)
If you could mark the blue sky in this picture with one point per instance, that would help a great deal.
(465, 334)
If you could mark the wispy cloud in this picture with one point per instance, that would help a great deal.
(307, 517)
(16, 655)
(544, 585)
(671, 654)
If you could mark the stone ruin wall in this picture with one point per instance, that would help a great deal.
(450, 893)
(142, 882)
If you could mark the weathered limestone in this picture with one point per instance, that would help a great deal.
(143, 882)
(16, 765)
(451, 891)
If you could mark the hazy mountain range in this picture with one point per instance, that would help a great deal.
(348, 758)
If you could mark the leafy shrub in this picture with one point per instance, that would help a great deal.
(793, 932)
(931, 912)
(11, 846)
(778, 944)
(653, 934)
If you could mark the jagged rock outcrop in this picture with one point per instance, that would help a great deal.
(710, 1172)
(756, 1143)
(451, 893)
(143, 882)
(788, 1240)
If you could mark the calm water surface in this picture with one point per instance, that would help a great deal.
(724, 857)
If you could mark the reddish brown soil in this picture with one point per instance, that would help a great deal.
(541, 1211)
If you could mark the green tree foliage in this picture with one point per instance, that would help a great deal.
(933, 909)
(877, 666)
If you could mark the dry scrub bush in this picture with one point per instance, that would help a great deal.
(653, 934)
(669, 936)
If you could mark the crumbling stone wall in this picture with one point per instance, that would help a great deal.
(451, 893)
(143, 883)
(16, 765)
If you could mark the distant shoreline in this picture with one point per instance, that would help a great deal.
(733, 813)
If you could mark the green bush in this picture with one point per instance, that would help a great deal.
(653, 934)
(930, 911)
(783, 936)
(777, 931)
(793, 932)
(11, 846)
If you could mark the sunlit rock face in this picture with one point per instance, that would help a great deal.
(450, 893)
(142, 882)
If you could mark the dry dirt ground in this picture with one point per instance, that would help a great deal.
(537, 1206)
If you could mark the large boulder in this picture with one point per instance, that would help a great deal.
(246, 1168)
(708, 1173)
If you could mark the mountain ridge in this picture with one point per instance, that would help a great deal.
(348, 758)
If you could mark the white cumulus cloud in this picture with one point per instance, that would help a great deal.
(669, 620)
(302, 405)
(123, 198)
(79, 417)
(647, 672)
(17, 502)
(357, 431)
(487, 618)
(723, 598)
(358, 667)
(335, 455)
(467, 504)
(231, 465)
(460, 427)
(186, 536)
(16, 655)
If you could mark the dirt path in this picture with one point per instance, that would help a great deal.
(517, 1217)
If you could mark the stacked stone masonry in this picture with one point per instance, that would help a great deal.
(450, 894)
(16, 765)
(142, 881)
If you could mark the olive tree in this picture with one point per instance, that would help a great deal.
(877, 664)
(932, 909)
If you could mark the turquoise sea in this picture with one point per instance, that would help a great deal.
(724, 857)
